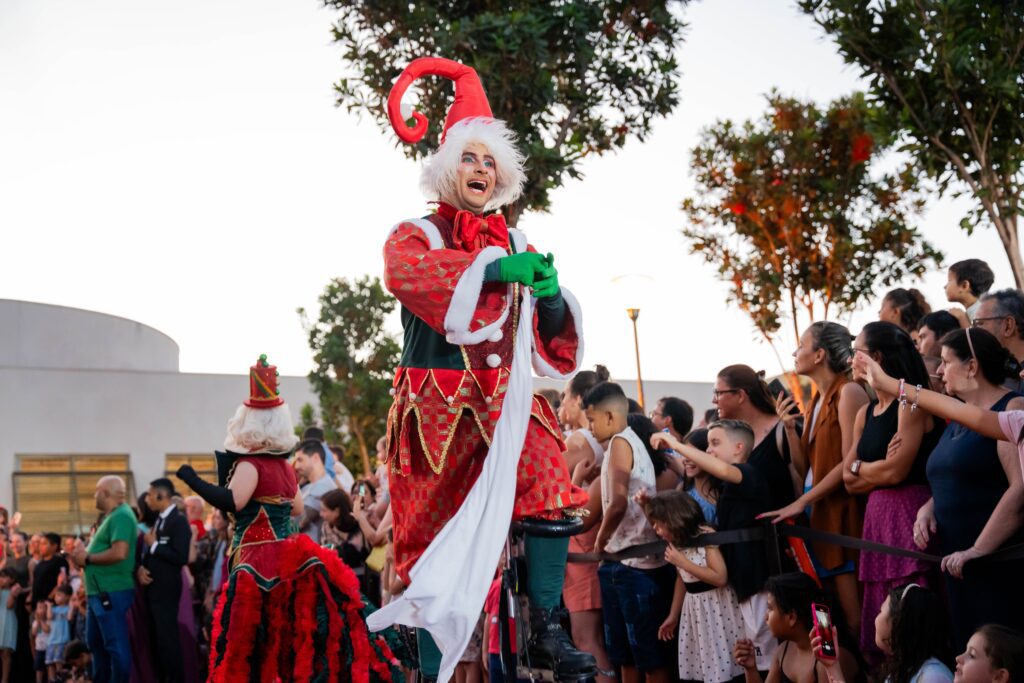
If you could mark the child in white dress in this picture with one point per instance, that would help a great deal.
(703, 604)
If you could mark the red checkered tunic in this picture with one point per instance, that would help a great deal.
(443, 417)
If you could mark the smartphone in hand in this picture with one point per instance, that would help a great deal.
(823, 629)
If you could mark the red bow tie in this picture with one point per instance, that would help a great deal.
(472, 232)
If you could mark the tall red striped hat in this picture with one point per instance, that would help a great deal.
(263, 391)
(470, 99)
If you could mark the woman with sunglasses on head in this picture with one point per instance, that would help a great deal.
(975, 477)
(887, 462)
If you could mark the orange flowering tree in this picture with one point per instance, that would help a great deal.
(793, 212)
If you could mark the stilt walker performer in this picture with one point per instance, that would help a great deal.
(469, 446)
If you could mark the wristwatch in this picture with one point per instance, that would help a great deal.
(855, 467)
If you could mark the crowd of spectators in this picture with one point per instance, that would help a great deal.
(133, 599)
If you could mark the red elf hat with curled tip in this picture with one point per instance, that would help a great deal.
(470, 99)
(263, 391)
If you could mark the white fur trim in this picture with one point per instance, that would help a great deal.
(545, 369)
(438, 177)
(428, 228)
(464, 301)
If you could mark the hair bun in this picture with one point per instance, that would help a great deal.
(602, 373)
(761, 374)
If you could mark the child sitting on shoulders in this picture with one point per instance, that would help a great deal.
(791, 620)
(703, 605)
(745, 495)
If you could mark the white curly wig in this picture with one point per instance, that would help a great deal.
(438, 177)
(261, 430)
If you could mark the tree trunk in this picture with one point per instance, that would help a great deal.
(1006, 226)
(512, 212)
(364, 455)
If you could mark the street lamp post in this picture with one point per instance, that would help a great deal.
(634, 313)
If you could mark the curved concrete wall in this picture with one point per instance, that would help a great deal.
(56, 337)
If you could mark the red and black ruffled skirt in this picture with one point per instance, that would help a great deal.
(292, 611)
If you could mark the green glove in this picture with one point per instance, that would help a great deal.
(522, 268)
(545, 284)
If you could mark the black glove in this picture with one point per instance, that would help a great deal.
(218, 496)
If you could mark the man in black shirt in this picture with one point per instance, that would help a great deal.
(50, 570)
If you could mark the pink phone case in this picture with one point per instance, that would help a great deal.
(826, 636)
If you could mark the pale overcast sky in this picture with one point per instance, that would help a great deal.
(182, 164)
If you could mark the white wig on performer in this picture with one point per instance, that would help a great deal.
(261, 430)
(469, 120)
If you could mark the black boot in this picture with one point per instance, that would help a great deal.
(551, 648)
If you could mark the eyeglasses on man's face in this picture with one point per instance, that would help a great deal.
(978, 321)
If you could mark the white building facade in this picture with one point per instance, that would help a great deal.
(84, 394)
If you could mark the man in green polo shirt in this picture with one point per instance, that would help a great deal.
(109, 565)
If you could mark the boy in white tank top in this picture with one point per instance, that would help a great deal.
(636, 593)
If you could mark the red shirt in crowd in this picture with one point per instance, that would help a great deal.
(491, 606)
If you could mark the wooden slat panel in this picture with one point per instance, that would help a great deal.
(56, 492)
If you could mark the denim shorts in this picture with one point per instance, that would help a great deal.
(635, 602)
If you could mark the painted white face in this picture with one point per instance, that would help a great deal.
(475, 180)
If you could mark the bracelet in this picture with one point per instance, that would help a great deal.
(917, 397)
(902, 395)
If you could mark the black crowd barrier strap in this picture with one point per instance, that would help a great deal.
(657, 548)
(816, 536)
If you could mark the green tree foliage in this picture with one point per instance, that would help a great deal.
(571, 78)
(307, 419)
(789, 211)
(355, 359)
(950, 73)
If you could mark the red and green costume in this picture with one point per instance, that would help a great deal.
(291, 610)
(469, 445)
(448, 395)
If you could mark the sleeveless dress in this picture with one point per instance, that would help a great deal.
(838, 512)
(291, 610)
(8, 623)
(889, 519)
(967, 482)
(582, 589)
(710, 622)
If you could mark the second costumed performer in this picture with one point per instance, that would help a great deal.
(469, 446)
(291, 610)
